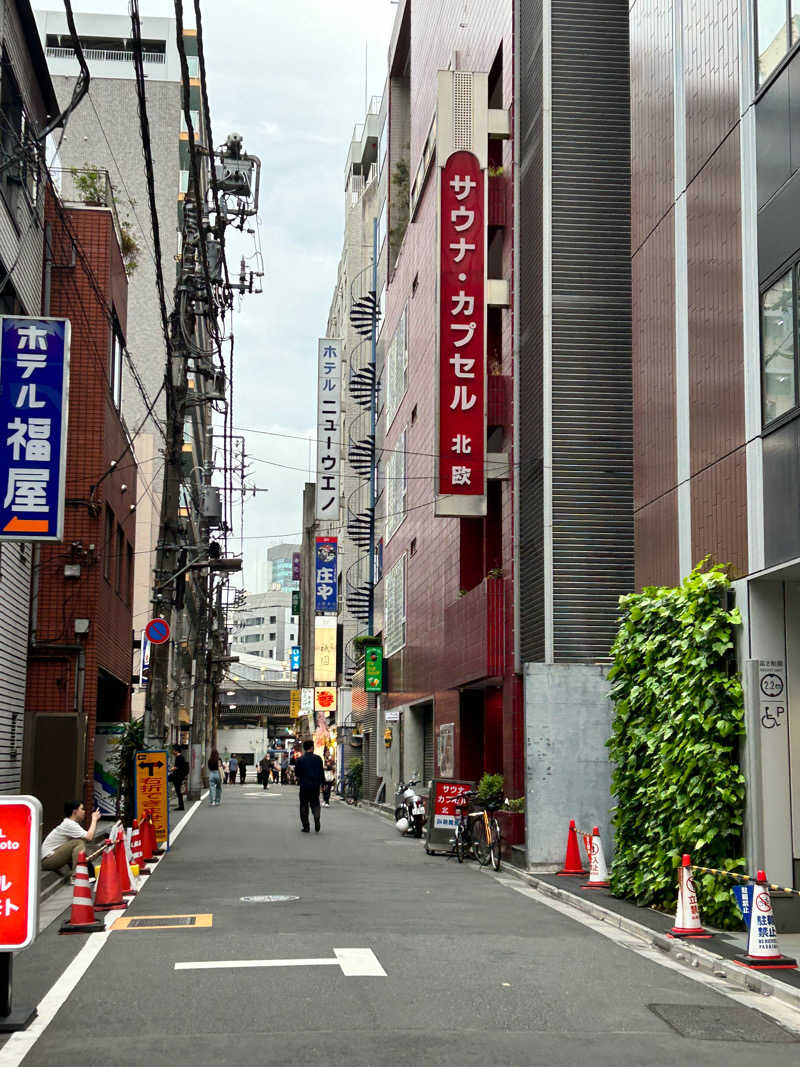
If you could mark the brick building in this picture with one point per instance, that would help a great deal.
(80, 652)
(447, 582)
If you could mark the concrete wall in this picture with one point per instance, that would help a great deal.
(236, 739)
(568, 774)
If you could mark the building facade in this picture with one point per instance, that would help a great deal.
(80, 649)
(279, 567)
(715, 254)
(264, 626)
(27, 101)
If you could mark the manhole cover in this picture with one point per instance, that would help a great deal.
(167, 920)
(272, 898)
(702, 1022)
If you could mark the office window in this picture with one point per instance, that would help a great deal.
(396, 368)
(273, 637)
(396, 486)
(273, 619)
(778, 29)
(779, 347)
(291, 637)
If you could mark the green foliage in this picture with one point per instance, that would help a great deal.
(355, 771)
(91, 184)
(130, 742)
(490, 790)
(679, 717)
(129, 247)
(364, 641)
(517, 804)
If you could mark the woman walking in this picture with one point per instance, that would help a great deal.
(214, 778)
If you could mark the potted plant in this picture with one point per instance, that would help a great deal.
(511, 818)
(90, 185)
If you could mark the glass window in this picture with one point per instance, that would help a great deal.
(394, 624)
(773, 39)
(382, 227)
(396, 485)
(396, 368)
(778, 349)
(193, 64)
(382, 145)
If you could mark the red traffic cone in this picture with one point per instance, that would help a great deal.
(107, 893)
(123, 872)
(155, 851)
(687, 915)
(137, 853)
(762, 942)
(81, 917)
(572, 860)
(598, 872)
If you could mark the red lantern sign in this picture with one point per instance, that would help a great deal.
(462, 333)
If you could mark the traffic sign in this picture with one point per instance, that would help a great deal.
(157, 631)
(152, 790)
(20, 843)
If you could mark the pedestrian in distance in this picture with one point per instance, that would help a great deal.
(284, 767)
(61, 846)
(276, 770)
(310, 775)
(330, 776)
(242, 770)
(233, 768)
(265, 769)
(214, 778)
(179, 774)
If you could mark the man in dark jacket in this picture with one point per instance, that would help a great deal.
(180, 773)
(310, 775)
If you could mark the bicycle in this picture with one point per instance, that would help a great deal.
(347, 789)
(477, 832)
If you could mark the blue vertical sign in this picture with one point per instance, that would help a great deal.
(34, 403)
(294, 658)
(325, 574)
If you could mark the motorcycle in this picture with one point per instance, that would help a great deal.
(409, 810)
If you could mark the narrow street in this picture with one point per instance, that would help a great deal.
(476, 972)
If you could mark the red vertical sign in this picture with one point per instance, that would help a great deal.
(462, 344)
(20, 823)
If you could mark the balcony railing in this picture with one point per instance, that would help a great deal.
(104, 55)
(478, 618)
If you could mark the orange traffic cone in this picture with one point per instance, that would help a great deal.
(137, 853)
(598, 872)
(123, 871)
(687, 915)
(107, 892)
(572, 860)
(762, 942)
(149, 844)
(81, 917)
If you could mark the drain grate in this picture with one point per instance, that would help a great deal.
(272, 898)
(167, 920)
(703, 1022)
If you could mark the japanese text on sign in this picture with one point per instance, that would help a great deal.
(325, 573)
(20, 842)
(444, 806)
(325, 648)
(329, 377)
(34, 401)
(152, 790)
(462, 346)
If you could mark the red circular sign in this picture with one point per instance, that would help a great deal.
(762, 901)
(157, 631)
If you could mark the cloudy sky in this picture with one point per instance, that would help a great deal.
(290, 77)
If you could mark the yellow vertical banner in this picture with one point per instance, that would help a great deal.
(294, 703)
(152, 790)
(325, 648)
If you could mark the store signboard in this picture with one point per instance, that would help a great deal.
(329, 415)
(34, 406)
(442, 816)
(325, 574)
(20, 844)
(325, 648)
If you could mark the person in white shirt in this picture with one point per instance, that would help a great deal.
(62, 845)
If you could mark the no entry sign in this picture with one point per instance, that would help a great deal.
(157, 631)
(20, 841)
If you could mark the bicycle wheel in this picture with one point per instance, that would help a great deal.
(459, 845)
(494, 846)
(480, 846)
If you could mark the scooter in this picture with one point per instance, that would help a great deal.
(409, 811)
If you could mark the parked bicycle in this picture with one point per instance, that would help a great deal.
(347, 788)
(477, 832)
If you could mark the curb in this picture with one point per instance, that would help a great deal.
(698, 958)
(690, 955)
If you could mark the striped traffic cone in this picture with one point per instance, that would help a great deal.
(123, 871)
(137, 853)
(81, 917)
(108, 895)
(687, 915)
(598, 872)
(762, 941)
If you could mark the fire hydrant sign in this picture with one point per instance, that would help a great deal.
(20, 842)
(152, 790)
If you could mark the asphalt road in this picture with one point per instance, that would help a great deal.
(476, 973)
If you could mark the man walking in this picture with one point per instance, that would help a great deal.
(265, 769)
(310, 776)
(180, 772)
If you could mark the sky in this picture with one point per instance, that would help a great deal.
(290, 78)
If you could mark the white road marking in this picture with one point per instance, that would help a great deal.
(20, 1043)
(354, 963)
(783, 1013)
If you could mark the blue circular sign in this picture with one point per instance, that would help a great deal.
(157, 631)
